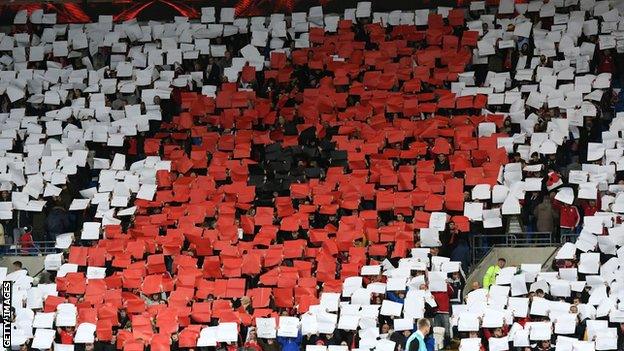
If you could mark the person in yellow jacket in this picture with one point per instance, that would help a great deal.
(490, 276)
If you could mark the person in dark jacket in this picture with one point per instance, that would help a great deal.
(38, 225)
(545, 216)
(269, 345)
(213, 72)
(106, 345)
(399, 340)
(543, 345)
(441, 163)
(57, 221)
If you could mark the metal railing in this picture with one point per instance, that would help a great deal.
(38, 248)
(569, 238)
(481, 244)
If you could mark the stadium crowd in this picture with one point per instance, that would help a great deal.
(340, 185)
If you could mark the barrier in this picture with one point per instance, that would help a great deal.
(38, 248)
(515, 257)
(481, 244)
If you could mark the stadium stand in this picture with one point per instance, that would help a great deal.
(314, 181)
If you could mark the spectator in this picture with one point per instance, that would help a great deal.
(290, 344)
(457, 282)
(543, 345)
(57, 221)
(461, 251)
(430, 342)
(38, 226)
(416, 341)
(531, 200)
(492, 271)
(606, 64)
(590, 207)
(399, 340)
(545, 216)
(251, 342)
(214, 219)
(106, 345)
(442, 315)
(569, 217)
(227, 346)
(269, 345)
(2, 239)
(26, 242)
(66, 335)
(441, 163)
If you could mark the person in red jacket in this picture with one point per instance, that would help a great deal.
(251, 342)
(569, 217)
(441, 318)
(606, 63)
(590, 207)
(495, 332)
(26, 241)
(66, 335)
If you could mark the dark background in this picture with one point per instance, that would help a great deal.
(81, 11)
